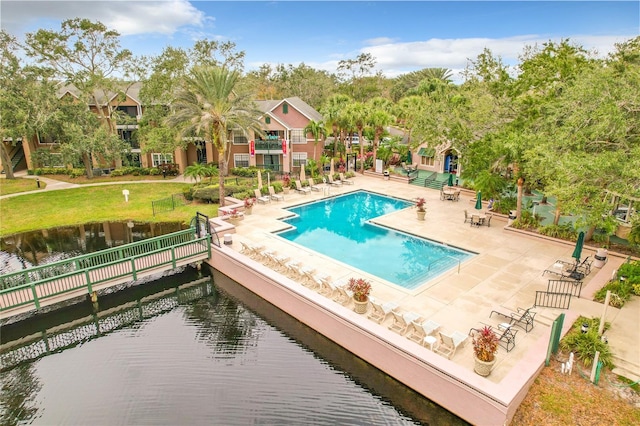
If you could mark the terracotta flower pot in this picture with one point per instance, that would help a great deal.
(421, 215)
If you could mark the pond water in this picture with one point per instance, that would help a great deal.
(191, 349)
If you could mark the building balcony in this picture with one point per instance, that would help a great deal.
(268, 147)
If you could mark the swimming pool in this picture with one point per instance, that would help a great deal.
(340, 228)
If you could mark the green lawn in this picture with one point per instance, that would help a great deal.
(94, 204)
(13, 186)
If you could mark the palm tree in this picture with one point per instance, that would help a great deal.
(316, 128)
(378, 119)
(356, 114)
(331, 113)
(208, 106)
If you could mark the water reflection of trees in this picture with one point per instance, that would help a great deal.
(224, 324)
(18, 391)
(45, 246)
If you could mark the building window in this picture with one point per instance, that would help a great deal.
(298, 136)
(240, 140)
(241, 160)
(131, 111)
(267, 120)
(427, 161)
(285, 108)
(299, 159)
(157, 159)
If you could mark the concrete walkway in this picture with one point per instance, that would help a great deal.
(505, 274)
(53, 185)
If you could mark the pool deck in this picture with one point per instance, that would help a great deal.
(504, 275)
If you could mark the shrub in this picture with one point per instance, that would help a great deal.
(564, 231)
(208, 194)
(620, 293)
(585, 345)
(504, 205)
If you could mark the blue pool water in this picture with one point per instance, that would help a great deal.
(339, 227)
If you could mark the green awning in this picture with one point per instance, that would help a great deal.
(427, 152)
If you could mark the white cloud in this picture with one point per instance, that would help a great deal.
(398, 58)
(127, 17)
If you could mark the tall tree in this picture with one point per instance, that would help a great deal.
(317, 130)
(380, 115)
(331, 111)
(356, 114)
(88, 55)
(208, 106)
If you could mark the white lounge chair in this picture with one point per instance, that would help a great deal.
(334, 182)
(302, 189)
(419, 330)
(343, 179)
(343, 295)
(449, 343)
(293, 270)
(251, 250)
(312, 185)
(262, 199)
(307, 274)
(380, 311)
(401, 321)
(274, 196)
(325, 285)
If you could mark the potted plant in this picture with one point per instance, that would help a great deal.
(286, 183)
(235, 216)
(248, 204)
(485, 346)
(421, 205)
(361, 289)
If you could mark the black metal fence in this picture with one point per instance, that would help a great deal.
(565, 286)
(168, 204)
(552, 300)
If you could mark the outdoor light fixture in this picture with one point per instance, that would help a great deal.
(584, 328)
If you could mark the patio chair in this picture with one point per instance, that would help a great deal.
(325, 285)
(401, 321)
(343, 179)
(274, 196)
(343, 295)
(262, 199)
(419, 330)
(380, 311)
(467, 218)
(301, 189)
(449, 343)
(250, 250)
(523, 318)
(312, 185)
(280, 262)
(475, 220)
(293, 270)
(308, 279)
(487, 220)
(334, 182)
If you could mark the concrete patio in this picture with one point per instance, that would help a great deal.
(504, 275)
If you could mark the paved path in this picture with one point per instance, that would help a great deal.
(53, 185)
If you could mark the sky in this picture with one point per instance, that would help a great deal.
(402, 36)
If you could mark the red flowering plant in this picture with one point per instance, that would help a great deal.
(286, 181)
(360, 288)
(234, 213)
(485, 344)
(421, 204)
(249, 202)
